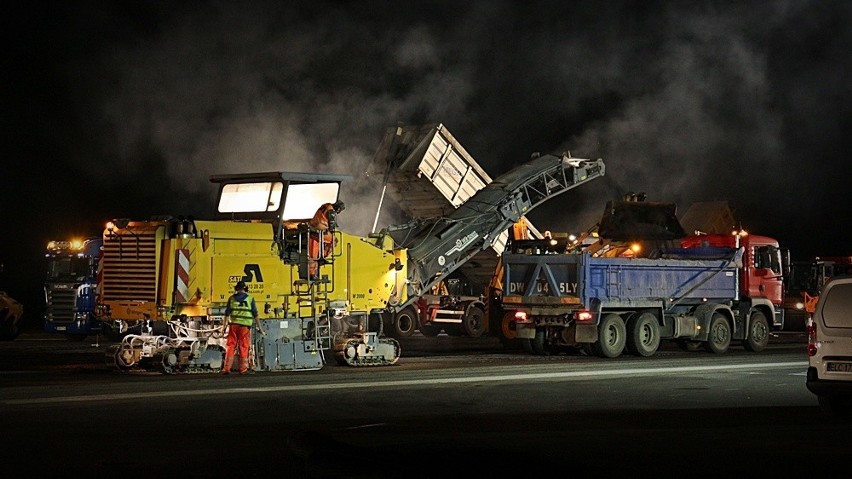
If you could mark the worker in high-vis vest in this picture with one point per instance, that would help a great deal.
(240, 317)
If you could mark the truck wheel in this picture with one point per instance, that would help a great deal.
(643, 334)
(508, 336)
(720, 334)
(404, 323)
(758, 333)
(473, 322)
(506, 330)
(539, 344)
(612, 335)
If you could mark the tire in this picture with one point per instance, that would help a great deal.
(473, 322)
(758, 333)
(539, 344)
(404, 323)
(508, 336)
(612, 337)
(719, 338)
(527, 345)
(120, 359)
(643, 334)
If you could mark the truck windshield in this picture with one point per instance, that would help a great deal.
(68, 268)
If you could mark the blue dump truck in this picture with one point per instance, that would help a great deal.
(70, 287)
(707, 291)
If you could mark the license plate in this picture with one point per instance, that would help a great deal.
(60, 328)
(839, 367)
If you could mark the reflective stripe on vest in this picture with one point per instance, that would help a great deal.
(241, 311)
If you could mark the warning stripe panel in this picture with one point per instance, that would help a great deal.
(182, 276)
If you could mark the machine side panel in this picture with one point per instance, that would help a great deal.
(621, 280)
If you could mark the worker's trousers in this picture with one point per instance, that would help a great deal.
(239, 337)
(315, 252)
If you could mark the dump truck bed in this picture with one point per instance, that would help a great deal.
(429, 174)
(617, 282)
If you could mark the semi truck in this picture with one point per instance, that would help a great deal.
(706, 291)
(165, 281)
(70, 287)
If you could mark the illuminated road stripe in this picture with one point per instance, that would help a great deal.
(411, 382)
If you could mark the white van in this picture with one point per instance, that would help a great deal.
(830, 348)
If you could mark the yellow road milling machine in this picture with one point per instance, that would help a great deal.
(320, 290)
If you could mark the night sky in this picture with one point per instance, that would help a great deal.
(125, 108)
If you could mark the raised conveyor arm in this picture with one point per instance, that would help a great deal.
(450, 241)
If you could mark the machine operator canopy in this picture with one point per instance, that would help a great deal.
(273, 196)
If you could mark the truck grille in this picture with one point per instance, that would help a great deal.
(130, 265)
(61, 303)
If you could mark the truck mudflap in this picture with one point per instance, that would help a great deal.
(368, 350)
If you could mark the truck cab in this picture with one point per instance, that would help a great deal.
(70, 287)
(765, 265)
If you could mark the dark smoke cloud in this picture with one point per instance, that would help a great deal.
(140, 102)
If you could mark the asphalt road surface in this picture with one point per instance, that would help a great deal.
(451, 407)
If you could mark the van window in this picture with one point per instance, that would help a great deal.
(837, 308)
